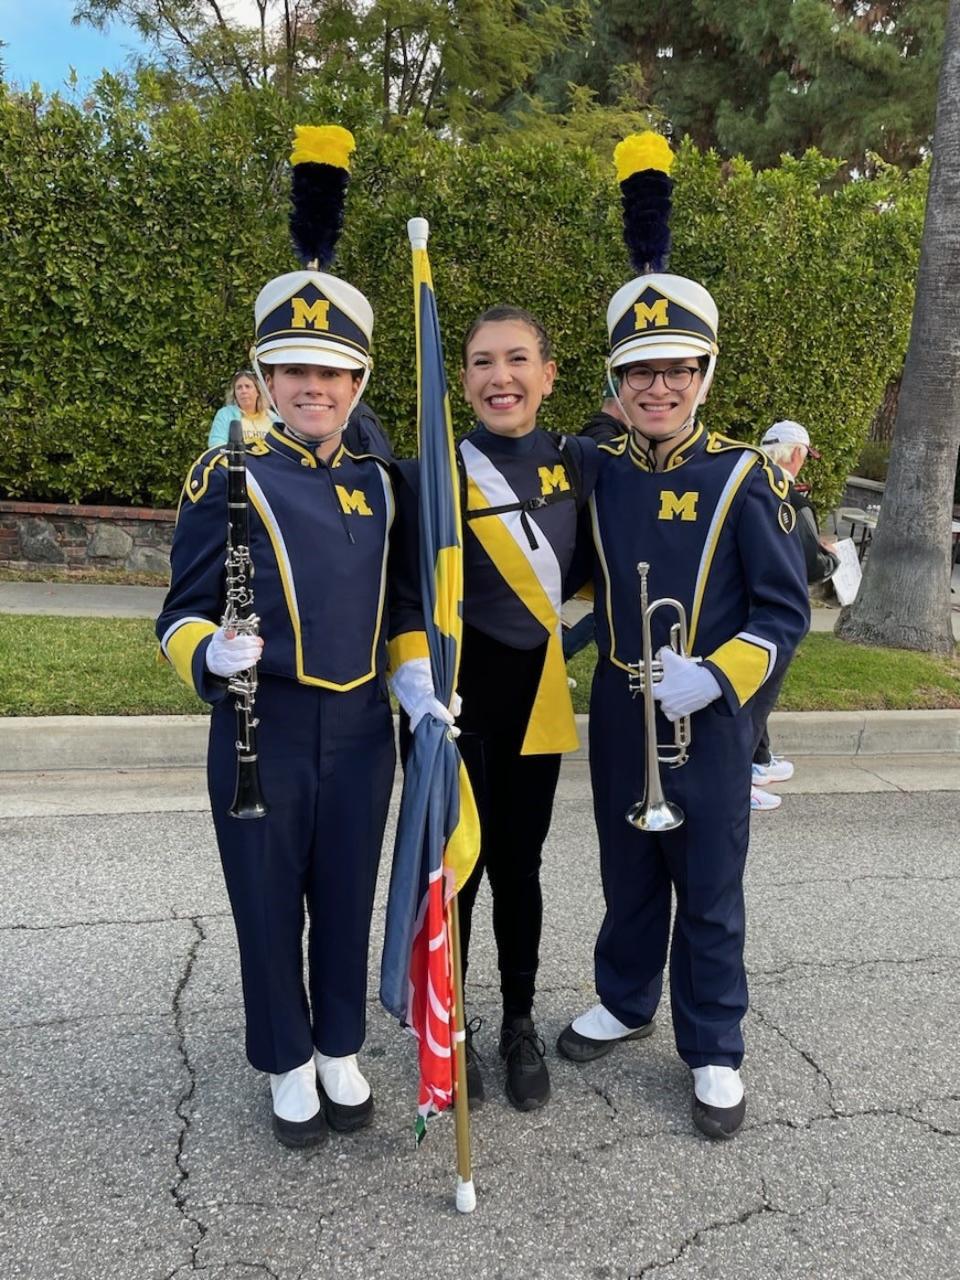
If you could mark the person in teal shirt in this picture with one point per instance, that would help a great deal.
(244, 401)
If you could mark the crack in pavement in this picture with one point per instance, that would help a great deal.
(183, 1108)
(96, 924)
(807, 1057)
(765, 1207)
(905, 877)
(792, 965)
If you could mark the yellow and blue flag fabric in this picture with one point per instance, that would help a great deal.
(438, 831)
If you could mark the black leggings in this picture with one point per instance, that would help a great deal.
(514, 795)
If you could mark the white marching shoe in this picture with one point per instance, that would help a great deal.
(595, 1033)
(298, 1119)
(347, 1096)
(719, 1103)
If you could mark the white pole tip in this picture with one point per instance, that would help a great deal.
(466, 1196)
(418, 229)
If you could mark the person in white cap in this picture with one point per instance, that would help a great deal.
(787, 443)
(327, 551)
(711, 519)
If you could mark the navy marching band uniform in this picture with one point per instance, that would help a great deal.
(321, 550)
(333, 555)
(711, 519)
(716, 529)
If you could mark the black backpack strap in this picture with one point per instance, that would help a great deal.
(570, 455)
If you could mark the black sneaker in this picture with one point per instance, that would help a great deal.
(528, 1082)
(475, 1089)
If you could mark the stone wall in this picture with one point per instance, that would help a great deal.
(39, 533)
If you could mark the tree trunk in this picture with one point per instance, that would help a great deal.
(904, 599)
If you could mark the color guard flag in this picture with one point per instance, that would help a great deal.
(438, 832)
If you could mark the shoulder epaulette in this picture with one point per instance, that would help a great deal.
(383, 463)
(778, 481)
(615, 447)
(198, 477)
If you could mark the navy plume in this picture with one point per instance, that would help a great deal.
(318, 195)
(647, 199)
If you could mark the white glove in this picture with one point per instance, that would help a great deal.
(226, 657)
(686, 686)
(412, 683)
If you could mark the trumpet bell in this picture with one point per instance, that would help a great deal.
(662, 816)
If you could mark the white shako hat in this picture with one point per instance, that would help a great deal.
(309, 317)
(655, 316)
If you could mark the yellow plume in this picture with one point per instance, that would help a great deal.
(640, 151)
(322, 144)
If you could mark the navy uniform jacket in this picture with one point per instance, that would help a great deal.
(326, 544)
(718, 531)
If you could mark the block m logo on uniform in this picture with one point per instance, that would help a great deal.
(683, 505)
(552, 478)
(353, 502)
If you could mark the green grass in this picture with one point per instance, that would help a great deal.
(107, 666)
(828, 675)
(52, 666)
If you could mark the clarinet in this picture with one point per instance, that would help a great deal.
(239, 617)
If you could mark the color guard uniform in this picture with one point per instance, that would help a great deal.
(522, 497)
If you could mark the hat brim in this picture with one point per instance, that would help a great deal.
(328, 354)
(653, 348)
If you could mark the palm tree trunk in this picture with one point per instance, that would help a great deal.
(904, 599)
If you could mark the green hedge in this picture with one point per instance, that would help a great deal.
(135, 235)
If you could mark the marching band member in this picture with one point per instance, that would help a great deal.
(325, 545)
(712, 519)
(523, 489)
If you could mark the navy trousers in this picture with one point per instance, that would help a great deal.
(326, 768)
(701, 862)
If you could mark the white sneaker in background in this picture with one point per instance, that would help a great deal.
(764, 799)
(778, 770)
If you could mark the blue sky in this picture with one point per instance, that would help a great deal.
(42, 44)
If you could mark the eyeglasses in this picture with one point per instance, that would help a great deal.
(640, 377)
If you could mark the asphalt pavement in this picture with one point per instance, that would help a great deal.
(136, 1139)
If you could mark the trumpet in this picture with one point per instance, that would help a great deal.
(654, 812)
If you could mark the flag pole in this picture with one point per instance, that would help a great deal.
(418, 230)
(466, 1192)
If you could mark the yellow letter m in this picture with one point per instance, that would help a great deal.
(313, 314)
(684, 506)
(647, 314)
(354, 502)
(553, 478)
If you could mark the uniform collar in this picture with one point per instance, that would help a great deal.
(279, 442)
(511, 446)
(681, 452)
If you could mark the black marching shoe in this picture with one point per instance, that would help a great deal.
(528, 1082)
(718, 1122)
(298, 1134)
(577, 1048)
(475, 1089)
